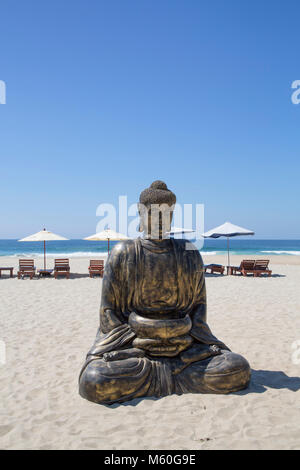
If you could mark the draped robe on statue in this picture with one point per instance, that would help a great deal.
(151, 280)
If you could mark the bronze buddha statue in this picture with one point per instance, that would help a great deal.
(153, 338)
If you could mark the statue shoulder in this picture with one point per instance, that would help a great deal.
(121, 250)
(188, 249)
(185, 245)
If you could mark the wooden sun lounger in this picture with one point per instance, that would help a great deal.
(7, 268)
(214, 268)
(62, 268)
(247, 266)
(26, 268)
(255, 267)
(261, 267)
(96, 267)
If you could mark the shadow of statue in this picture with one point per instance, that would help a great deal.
(224, 276)
(80, 276)
(215, 275)
(261, 380)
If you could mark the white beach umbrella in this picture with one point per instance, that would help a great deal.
(181, 230)
(43, 236)
(227, 230)
(109, 235)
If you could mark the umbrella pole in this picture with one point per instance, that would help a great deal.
(228, 253)
(107, 246)
(44, 254)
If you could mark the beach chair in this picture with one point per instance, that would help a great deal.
(96, 267)
(26, 268)
(214, 268)
(62, 268)
(261, 267)
(247, 266)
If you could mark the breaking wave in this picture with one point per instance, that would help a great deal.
(282, 252)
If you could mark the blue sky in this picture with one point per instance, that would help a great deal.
(103, 97)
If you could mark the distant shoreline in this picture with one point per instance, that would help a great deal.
(218, 259)
(78, 248)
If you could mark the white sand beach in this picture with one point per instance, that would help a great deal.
(48, 326)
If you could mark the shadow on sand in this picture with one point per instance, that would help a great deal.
(215, 275)
(263, 379)
(240, 276)
(81, 275)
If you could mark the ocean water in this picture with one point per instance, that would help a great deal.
(83, 248)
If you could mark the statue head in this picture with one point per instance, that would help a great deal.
(156, 208)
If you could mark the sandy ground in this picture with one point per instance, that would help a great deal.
(48, 326)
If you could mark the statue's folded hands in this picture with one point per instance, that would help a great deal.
(123, 354)
(161, 334)
(158, 347)
(198, 352)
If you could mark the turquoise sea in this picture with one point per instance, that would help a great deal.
(80, 248)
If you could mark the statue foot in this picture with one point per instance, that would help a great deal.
(221, 374)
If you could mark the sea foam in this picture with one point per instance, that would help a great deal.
(282, 252)
(78, 254)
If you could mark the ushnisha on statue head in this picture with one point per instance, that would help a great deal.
(156, 207)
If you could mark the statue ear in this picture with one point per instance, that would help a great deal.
(171, 218)
(168, 221)
(142, 213)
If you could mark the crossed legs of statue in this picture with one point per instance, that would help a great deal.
(107, 380)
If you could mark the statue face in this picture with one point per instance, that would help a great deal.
(155, 220)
